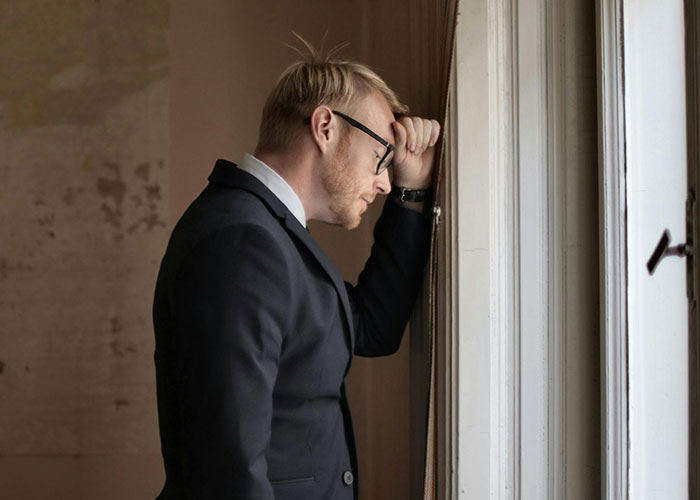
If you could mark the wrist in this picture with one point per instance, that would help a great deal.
(411, 195)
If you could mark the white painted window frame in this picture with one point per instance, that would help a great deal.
(500, 281)
(500, 393)
(613, 254)
(616, 415)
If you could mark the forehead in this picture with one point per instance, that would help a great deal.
(374, 112)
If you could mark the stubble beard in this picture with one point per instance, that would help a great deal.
(342, 187)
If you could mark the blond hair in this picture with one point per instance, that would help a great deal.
(314, 81)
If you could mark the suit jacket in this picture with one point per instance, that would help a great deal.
(254, 333)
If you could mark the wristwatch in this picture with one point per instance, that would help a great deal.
(408, 195)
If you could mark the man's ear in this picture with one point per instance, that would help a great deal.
(323, 127)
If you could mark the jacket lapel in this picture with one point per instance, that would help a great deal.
(228, 174)
(305, 236)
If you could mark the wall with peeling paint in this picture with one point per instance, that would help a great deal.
(84, 187)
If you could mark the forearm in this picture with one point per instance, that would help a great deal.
(388, 286)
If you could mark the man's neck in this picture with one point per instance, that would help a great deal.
(297, 170)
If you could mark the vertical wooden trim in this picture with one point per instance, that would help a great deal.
(692, 30)
(482, 208)
(484, 71)
(532, 253)
(448, 318)
(515, 254)
(557, 216)
(613, 255)
(509, 54)
(470, 251)
(504, 335)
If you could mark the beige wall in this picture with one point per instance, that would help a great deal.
(84, 181)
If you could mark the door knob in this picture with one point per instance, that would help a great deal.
(664, 250)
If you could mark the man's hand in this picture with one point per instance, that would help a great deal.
(414, 153)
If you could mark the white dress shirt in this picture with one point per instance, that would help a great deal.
(275, 183)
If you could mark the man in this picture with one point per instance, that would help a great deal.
(255, 329)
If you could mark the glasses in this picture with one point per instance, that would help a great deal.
(385, 160)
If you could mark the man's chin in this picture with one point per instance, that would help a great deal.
(352, 224)
(349, 218)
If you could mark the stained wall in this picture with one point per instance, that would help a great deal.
(84, 190)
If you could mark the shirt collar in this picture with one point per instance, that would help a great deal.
(275, 183)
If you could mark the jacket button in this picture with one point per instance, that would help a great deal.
(348, 478)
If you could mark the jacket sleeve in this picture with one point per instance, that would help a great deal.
(387, 287)
(230, 300)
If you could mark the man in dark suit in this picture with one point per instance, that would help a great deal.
(255, 328)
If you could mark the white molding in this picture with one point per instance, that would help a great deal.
(504, 428)
(532, 258)
(557, 232)
(503, 264)
(448, 318)
(479, 233)
(613, 277)
(472, 210)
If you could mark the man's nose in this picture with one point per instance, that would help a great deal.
(382, 183)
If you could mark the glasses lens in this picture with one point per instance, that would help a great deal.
(385, 161)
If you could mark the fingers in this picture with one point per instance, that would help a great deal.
(407, 122)
(434, 132)
(418, 140)
(420, 134)
(401, 136)
(427, 133)
(414, 155)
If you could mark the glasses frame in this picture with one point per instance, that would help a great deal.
(383, 163)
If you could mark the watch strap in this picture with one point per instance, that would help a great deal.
(410, 195)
